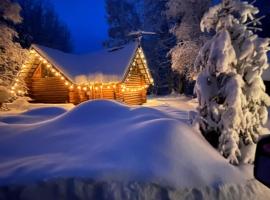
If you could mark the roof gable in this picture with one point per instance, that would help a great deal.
(110, 63)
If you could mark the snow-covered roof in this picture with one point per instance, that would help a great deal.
(108, 62)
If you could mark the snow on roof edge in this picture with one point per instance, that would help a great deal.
(119, 59)
(64, 72)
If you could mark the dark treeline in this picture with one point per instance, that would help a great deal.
(41, 25)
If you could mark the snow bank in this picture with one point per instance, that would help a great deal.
(109, 141)
(84, 189)
(33, 116)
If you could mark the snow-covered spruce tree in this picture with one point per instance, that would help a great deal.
(11, 53)
(185, 17)
(231, 93)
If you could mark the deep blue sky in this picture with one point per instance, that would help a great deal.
(86, 20)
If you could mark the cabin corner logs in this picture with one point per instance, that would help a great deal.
(47, 84)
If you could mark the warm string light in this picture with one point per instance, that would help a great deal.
(133, 89)
(96, 86)
(57, 73)
(141, 55)
(32, 51)
(52, 69)
(90, 86)
(14, 89)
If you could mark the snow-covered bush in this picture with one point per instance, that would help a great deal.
(20, 104)
(232, 99)
(5, 95)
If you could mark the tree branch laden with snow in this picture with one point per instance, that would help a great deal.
(185, 16)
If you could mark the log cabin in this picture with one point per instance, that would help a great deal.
(120, 74)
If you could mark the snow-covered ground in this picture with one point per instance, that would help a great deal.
(109, 141)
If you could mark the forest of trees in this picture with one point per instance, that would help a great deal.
(172, 51)
(41, 25)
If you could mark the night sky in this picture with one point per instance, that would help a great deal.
(86, 20)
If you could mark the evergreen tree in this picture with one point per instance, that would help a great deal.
(231, 93)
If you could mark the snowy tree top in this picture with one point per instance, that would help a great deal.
(227, 13)
(10, 11)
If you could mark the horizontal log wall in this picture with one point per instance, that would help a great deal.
(53, 90)
(130, 92)
(134, 81)
(95, 91)
(43, 89)
(48, 90)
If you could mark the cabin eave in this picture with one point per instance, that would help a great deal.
(49, 83)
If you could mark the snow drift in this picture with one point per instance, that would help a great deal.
(85, 189)
(105, 140)
(34, 115)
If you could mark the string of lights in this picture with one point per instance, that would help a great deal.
(88, 86)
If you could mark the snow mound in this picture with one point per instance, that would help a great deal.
(106, 140)
(33, 116)
(45, 111)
